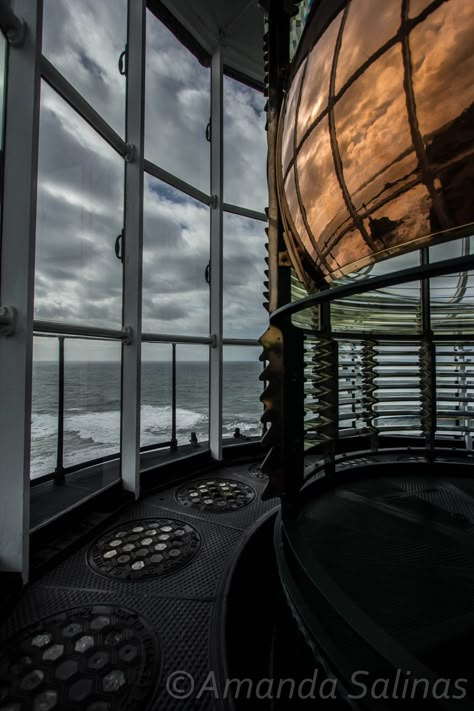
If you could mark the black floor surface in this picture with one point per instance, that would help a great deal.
(181, 607)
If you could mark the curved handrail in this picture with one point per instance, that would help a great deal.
(417, 273)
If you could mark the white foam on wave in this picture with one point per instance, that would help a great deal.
(43, 426)
(98, 427)
(245, 427)
(156, 423)
(104, 427)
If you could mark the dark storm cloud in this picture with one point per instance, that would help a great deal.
(166, 312)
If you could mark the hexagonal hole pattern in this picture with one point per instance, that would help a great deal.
(144, 549)
(97, 658)
(216, 495)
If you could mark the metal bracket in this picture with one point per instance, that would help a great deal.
(14, 27)
(213, 340)
(127, 335)
(16, 35)
(214, 202)
(130, 153)
(7, 321)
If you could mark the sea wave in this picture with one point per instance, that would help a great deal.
(88, 435)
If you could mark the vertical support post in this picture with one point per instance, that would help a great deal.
(133, 247)
(17, 286)
(292, 431)
(216, 261)
(427, 365)
(328, 366)
(59, 472)
(174, 441)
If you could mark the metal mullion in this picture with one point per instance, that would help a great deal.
(245, 212)
(175, 182)
(216, 256)
(133, 248)
(61, 85)
(17, 286)
(78, 331)
(167, 338)
(246, 342)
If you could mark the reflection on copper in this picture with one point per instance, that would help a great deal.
(395, 177)
(443, 65)
(296, 216)
(320, 191)
(399, 167)
(314, 97)
(287, 148)
(368, 26)
(417, 6)
(352, 249)
(371, 122)
(400, 219)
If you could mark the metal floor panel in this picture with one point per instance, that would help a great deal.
(198, 580)
(240, 519)
(182, 627)
(179, 606)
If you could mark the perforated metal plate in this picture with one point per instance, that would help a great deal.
(256, 472)
(91, 658)
(144, 548)
(216, 495)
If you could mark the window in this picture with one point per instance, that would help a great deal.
(79, 216)
(177, 104)
(84, 40)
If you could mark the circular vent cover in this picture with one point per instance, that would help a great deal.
(93, 658)
(216, 495)
(137, 550)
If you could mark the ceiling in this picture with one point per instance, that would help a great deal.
(238, 25)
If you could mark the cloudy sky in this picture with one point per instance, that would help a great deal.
(80, 190)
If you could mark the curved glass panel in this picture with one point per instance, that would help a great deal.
(314, 97)
(84, 41)
(366, 29)
(288, 138)
(395, 151)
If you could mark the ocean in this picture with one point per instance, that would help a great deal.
(92, 407)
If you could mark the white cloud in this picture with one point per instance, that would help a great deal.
(80, 199)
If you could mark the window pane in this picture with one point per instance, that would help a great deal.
(80, 214)
(156, 394)
(192, 393)
(245, 146)
(244, 266)
(91, 400)
(84, 41)
(242, 388)
(44, 414)
(177, 107)
(175, 256)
